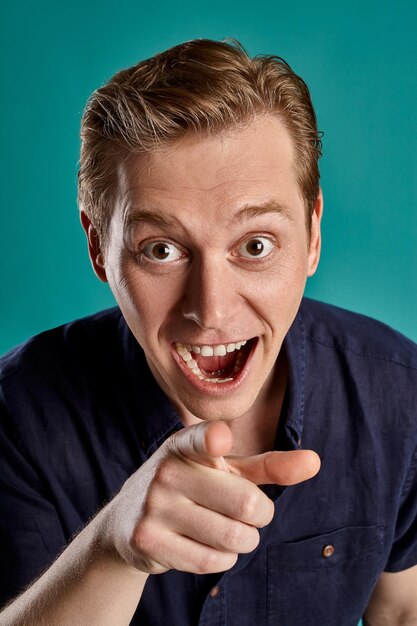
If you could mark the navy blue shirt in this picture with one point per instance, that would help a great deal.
(80, 412)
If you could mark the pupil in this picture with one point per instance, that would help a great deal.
(255, 247)
(161, 251)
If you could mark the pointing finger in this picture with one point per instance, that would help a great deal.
(205, 443)
(280, 468)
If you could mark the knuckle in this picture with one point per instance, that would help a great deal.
(228, 561)
(232, 560)
(268, 513)
(144, 539)
(248, 505)
(234, 536)
(164, 473)
(254, 539)
(216, 561)
(152, 567)
(208, 562)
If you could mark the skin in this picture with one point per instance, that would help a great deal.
(394, 600)
(212, 295)
(195, 504)
(213, 291)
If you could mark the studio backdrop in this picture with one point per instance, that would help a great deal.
(360, 62)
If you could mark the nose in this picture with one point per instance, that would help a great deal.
(211, 298)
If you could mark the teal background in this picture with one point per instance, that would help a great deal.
(360, 61)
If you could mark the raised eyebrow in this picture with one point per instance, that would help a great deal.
(137, 215)
(268, 207)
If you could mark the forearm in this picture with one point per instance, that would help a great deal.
(390, 619)
(88, 584)
(394, 600)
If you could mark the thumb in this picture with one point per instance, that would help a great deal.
(204, 443)
(279, 468)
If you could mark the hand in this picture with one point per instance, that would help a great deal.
(191, 508)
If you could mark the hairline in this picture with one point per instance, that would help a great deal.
(126, 154)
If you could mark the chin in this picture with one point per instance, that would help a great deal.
(214, 409)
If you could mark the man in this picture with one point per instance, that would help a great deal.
(200, 409)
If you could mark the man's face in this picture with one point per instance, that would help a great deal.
(208, 249)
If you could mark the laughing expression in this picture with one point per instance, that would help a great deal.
(208, 257)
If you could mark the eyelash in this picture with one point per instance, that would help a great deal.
(144, 259)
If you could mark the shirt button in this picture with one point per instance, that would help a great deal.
(213, 593)
(328, 551)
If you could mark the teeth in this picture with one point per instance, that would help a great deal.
(218, 350)
(185, 350)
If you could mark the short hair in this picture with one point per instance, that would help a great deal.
(200, 86)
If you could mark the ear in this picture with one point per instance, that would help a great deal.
(315, 237)
(96, 255)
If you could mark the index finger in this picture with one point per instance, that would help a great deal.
(279, 468)
(204, 443)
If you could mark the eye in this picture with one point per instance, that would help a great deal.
(161, 252)
(256, 248)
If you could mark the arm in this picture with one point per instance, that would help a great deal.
(87, 584)
(394, 600)
(186, 508)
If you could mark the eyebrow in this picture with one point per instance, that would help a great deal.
(154, 217)
(271, 206)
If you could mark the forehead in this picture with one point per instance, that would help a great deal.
(247, 165)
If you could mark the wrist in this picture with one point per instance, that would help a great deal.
(111, 541)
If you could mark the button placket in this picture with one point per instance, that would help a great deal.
(214, 610)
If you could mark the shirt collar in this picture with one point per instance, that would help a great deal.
(295, 346)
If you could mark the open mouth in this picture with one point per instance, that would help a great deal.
(220, 363)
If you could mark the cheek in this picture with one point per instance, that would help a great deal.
(289, 272)
(126, 284)
(145, 299)
(277, 293)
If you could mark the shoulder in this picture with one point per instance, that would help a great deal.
(63, 371)
(364, 370)
(347, 332)
(70, 387)
(64, 345)
(361, 378)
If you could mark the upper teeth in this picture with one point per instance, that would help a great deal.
(185, 349)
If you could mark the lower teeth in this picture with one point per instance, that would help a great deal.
(193, 367)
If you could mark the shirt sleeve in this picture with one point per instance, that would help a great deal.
(30, 531)
(404, 549)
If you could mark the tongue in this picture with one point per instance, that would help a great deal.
(216, 363)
